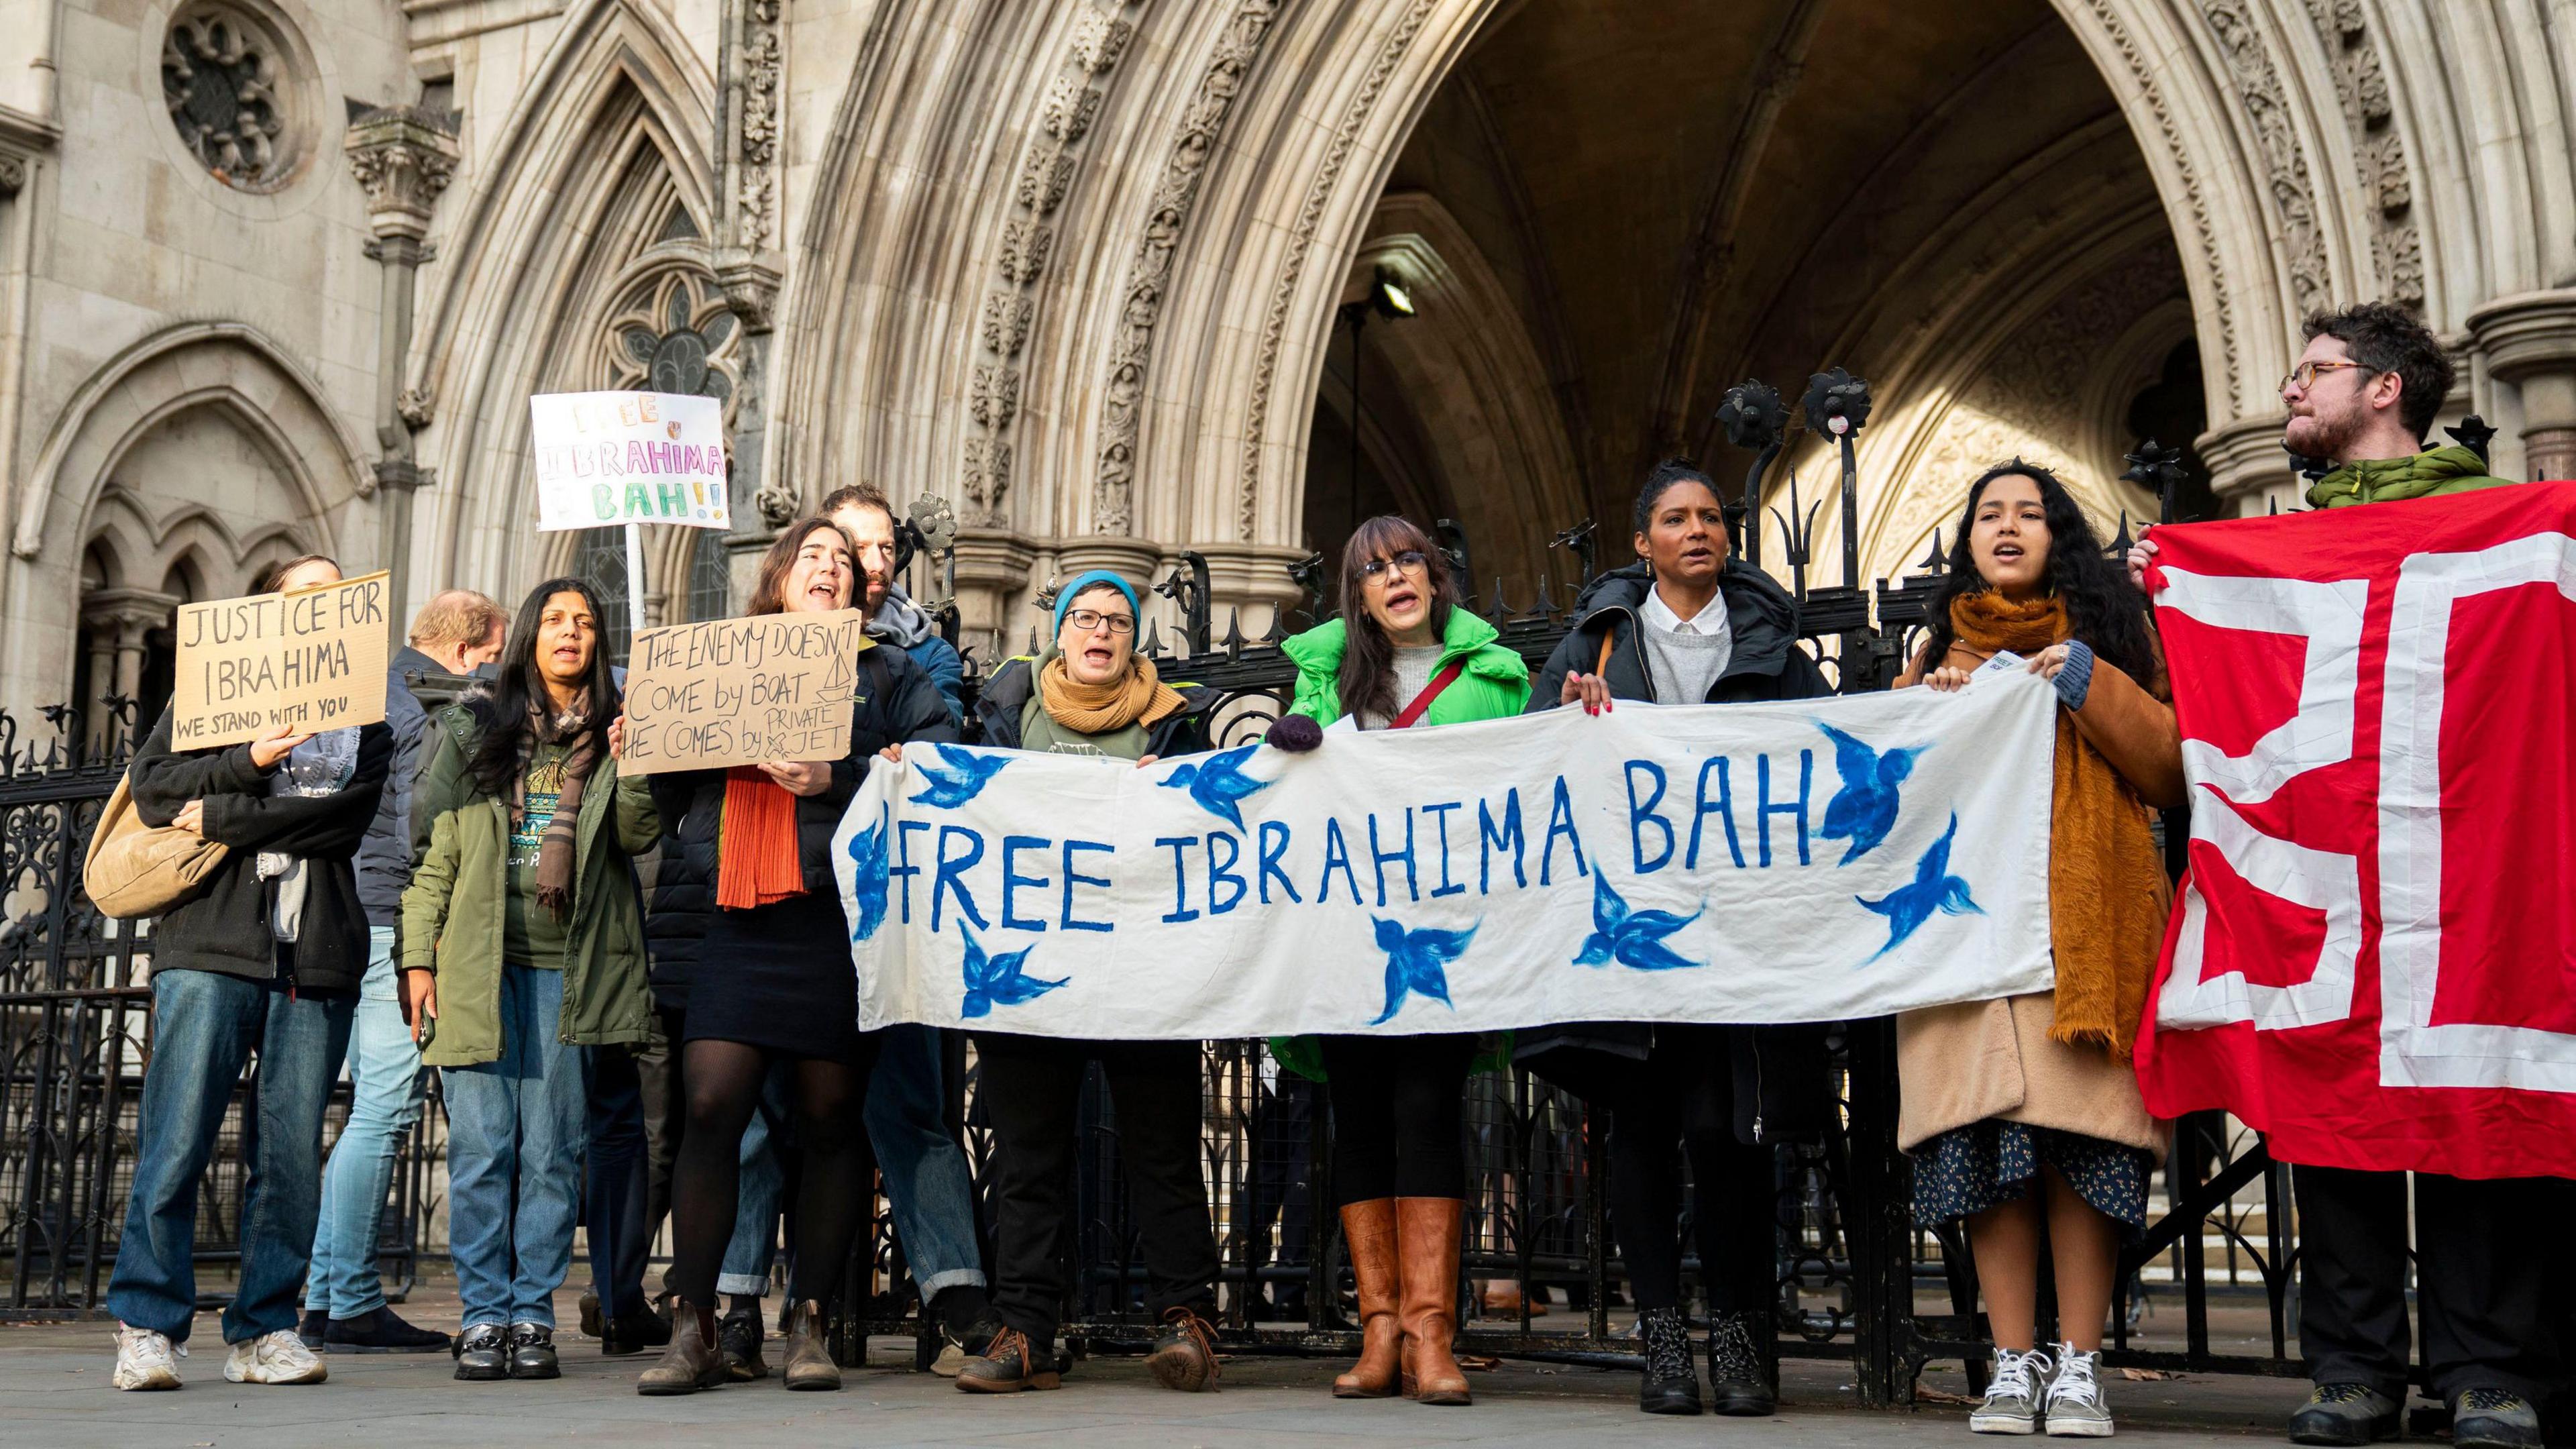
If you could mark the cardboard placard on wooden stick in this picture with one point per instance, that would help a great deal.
(313, 659)
(738, 691)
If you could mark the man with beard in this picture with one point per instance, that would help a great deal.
(868, 518)
(2362, 398)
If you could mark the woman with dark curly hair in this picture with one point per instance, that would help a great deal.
(2025, 1110)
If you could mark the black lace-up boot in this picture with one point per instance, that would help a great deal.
(1671, 1385)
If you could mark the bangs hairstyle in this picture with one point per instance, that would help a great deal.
(1367, 679)
(502, 712)
(273, 577)
(2103, 608)
(767, 596)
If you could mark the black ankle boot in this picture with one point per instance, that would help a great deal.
(1671, 1385)
(1739, 1358)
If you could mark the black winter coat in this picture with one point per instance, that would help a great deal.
(1781, 1082)
(898, 704)
(225, 927)
(999, 705)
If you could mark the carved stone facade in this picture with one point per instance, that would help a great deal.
(1080, 267)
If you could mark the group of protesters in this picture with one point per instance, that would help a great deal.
(636, 990)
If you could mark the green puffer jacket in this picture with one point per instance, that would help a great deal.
(1495, 684)
(2382, 480)
(460, 877)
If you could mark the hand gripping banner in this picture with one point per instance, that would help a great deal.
(2373, 956)
(1736, 863)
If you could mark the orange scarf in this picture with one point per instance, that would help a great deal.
(2107, 899)
(758, 863)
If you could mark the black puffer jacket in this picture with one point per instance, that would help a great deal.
(225, 927)
(999, 705)
(1782, 1087)
(897, 705)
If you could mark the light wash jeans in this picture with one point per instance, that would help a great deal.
(515, 1131)
(205, 1026)
(927, 1181)
(385, 1090)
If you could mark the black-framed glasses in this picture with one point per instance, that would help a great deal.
(1409, 560)
(1089, 619)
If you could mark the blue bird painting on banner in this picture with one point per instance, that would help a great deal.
(1631, 938)
(1864, 809)
(1416, 962)
(1932, 889)
(997, 980)
(953, 776)
(1218, 783)
(867, 851)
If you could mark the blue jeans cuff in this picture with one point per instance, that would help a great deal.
(744, 1284)
(937, 1283)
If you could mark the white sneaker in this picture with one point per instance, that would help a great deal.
(2075, 1408)
(2012, 1396)
(275, 1358)
(145, 1360)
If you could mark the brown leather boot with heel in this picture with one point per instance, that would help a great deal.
(1368, 1234)
(691, 1362)
(1426, 1243)
(804, 1362)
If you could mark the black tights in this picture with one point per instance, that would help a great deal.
(722, 1080)
(1399, 1111)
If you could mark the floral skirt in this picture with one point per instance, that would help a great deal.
(1967, 1170)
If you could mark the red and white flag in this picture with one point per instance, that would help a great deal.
(2373, 956)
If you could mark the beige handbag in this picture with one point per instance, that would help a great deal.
(136, 870)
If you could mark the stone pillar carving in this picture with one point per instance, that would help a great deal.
(2248, 467)
(992, 568)
(2530, 344)
(404, 157)
(117, 621)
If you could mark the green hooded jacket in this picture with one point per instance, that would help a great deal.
(1495, 683)
(2428, 474)
(452, 911)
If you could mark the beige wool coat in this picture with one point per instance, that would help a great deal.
(1980, 1059)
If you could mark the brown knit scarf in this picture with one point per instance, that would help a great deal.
(2107, 898)
(1097, 709)
(556, 846)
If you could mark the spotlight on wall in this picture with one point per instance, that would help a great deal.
(1388, 296)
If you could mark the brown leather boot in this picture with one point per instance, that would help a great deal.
(1368, 1234)
(691, 1362)
(1184, 1357)
(804, 1362)
(1426, 1244)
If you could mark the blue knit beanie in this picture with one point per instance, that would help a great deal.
(1065, 596)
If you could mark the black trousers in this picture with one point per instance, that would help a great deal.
(1680, 1103)
(1399, 1114)
(2480, 1250)
(617, 1182)
(1031, 1089)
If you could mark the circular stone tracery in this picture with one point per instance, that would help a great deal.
(221, 79)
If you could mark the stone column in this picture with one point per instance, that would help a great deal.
(2530, 344)
(992, 567)
(760, 505)
(117, 621)
(404, 157)
(2249, 468)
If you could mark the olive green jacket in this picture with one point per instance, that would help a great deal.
(452, 910)
(2434, 473)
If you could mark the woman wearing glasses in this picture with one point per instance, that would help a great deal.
(1402, 654)
(1092, 694)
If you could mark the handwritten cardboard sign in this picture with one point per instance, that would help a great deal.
(313, 659)
(738, 691)
(607, 458)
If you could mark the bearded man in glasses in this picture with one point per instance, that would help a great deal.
(2362, 398)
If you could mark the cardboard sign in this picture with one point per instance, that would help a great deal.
(606, 458)
(739, 691)
(314, 659)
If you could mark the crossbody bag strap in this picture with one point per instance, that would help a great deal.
(1422, 702)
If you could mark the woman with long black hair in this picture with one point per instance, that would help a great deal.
(772, 981)
(1689, 623)
(523, 946)
(2025, 1111)
(1402, 653)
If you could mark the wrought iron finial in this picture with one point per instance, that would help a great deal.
(2158, 470)
(1800, 532)
(1936, 560)
(1837, 407)
(2473, 434)
(1753, 419)
(2309, 468)
(1452, 536)
(1308, 574)
(1188, 587)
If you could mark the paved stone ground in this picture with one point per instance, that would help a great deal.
(53, 1393)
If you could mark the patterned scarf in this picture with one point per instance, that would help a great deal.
(556, 847)
(1098, 709)
(2106, 892)
(319, 766)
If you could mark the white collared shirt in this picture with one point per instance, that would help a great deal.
(1709, 620)
(1684, 672)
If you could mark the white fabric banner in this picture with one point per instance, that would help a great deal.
(1811, 861)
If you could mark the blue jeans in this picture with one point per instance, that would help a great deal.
(927, 1182)
(760, 1192)
(384, 1101)
(523, 1117)
(205, 1027)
